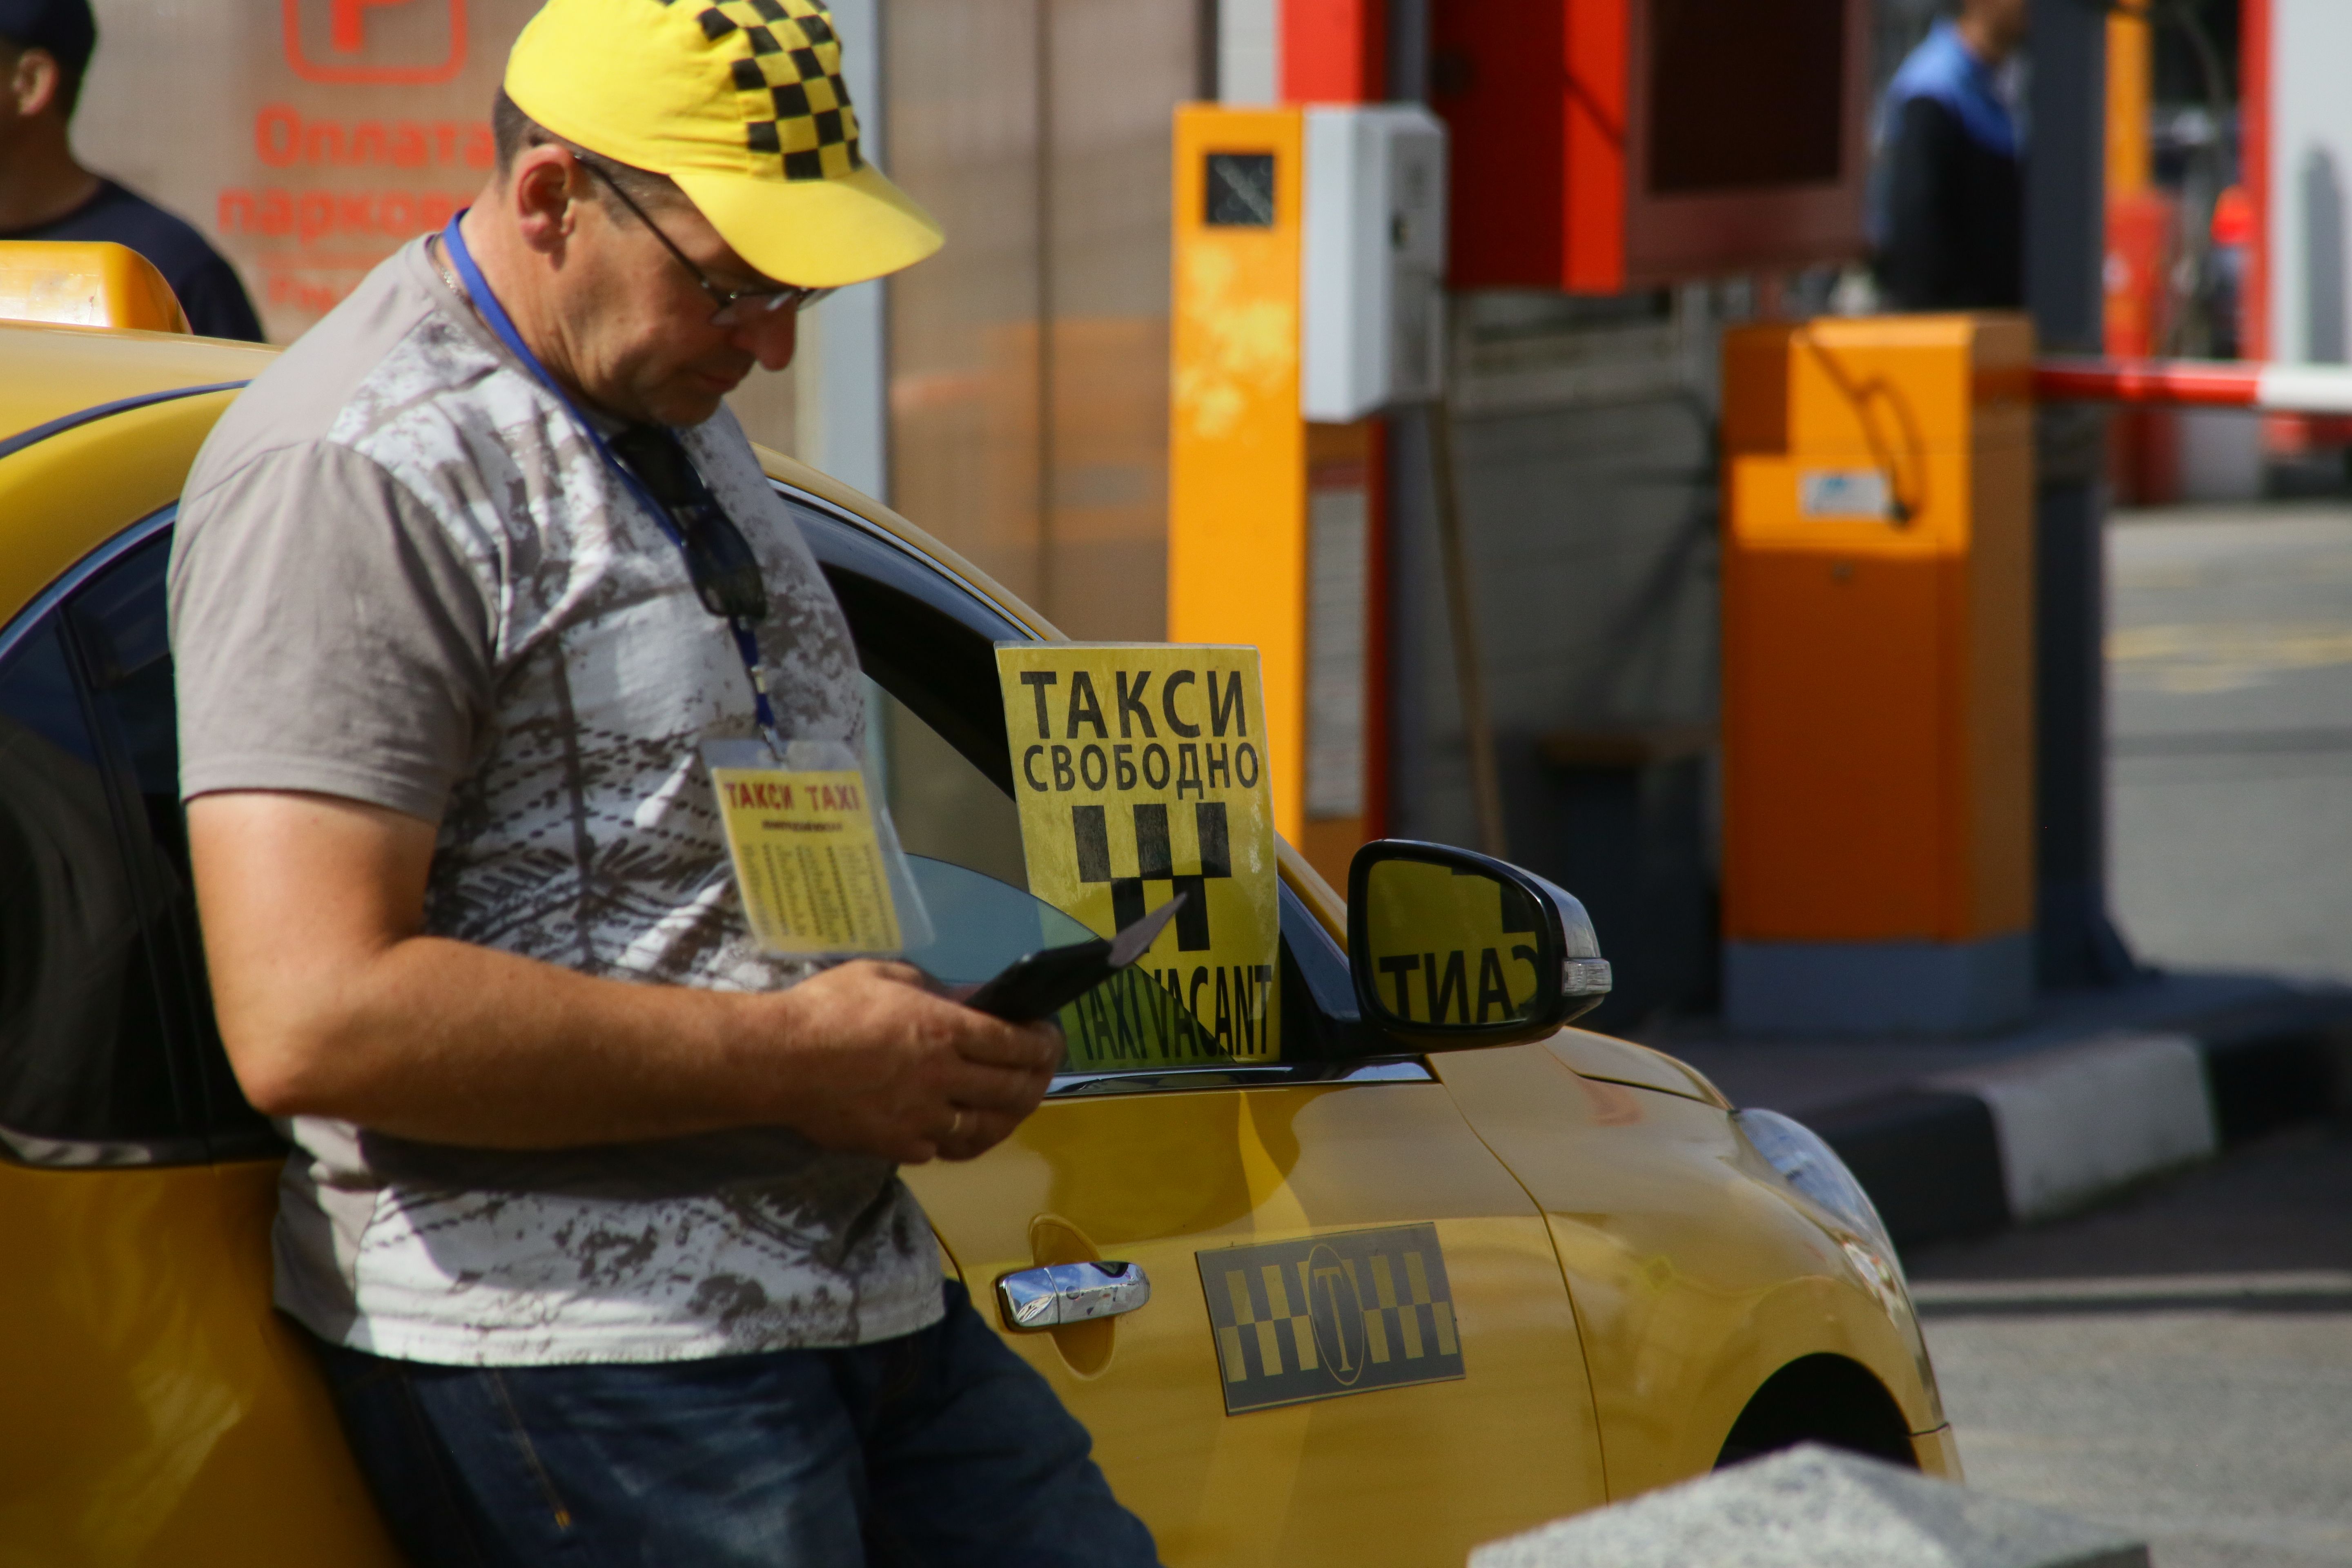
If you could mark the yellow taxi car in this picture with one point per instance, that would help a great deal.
(1404, 1295)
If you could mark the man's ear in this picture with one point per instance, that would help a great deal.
(34, 82)
(546, 189)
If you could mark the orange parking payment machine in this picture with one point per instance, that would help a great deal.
(1878, 675)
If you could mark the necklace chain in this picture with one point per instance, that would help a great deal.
(441, 265)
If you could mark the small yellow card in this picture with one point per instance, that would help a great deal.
(808, 860)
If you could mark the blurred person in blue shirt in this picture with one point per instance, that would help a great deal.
(46, 193)
(1948, 198)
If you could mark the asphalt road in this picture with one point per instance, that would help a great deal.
(2230, 660)
(2178, 1361)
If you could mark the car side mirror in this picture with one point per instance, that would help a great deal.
(1453, 950)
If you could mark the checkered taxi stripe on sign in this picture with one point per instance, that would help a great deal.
(1329, 1315)
(796, 115)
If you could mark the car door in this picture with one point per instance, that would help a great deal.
(1357, 1347)
(151, 1407)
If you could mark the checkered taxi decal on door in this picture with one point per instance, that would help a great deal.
(1326, 1315)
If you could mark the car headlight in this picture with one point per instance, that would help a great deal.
(1808, 1164)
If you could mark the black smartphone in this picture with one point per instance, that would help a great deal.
(1042, 983)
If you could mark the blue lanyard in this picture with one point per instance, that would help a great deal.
(747, 645)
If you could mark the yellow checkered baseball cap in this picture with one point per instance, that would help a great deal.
(739, 101)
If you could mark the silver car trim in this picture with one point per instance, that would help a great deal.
(1241, 1074)
(1060, 1294)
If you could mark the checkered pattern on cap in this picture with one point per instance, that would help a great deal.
(796, 115)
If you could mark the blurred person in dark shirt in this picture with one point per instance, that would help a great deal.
(1948, 208)
(46, 193)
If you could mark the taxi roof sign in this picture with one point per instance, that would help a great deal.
(85, 283)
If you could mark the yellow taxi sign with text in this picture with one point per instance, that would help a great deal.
(1141, 773)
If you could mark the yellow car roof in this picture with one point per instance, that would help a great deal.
(54, 373)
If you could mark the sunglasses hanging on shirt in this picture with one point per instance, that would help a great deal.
(719, 559)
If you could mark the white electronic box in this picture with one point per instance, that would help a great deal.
(1373, 261)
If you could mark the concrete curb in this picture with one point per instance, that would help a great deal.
(2037, 1135)
(1812, 1507)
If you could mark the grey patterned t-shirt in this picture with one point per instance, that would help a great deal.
(404, 575)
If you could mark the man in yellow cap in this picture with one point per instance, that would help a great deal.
(594, 1208)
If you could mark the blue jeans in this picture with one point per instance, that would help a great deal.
(941, 1447)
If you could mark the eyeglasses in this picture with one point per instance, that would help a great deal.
(737, 307)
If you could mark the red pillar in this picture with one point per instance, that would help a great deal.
(1333, 51)
(2254, 163)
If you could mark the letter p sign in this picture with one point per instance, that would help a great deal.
(349, 33)
(383, 42)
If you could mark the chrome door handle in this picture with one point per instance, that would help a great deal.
(1063, 1293)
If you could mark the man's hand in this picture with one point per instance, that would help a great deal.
(332, 1003)
(882, 1064)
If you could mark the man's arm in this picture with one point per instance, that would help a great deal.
(333, 1003)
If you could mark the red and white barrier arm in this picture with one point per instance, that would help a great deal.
(2196, 384)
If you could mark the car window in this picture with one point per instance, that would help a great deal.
(929, 646)
(963, 838)
(943, 806)
(962, 835)
(118, 623)
(85, 1051)
(103, 991)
